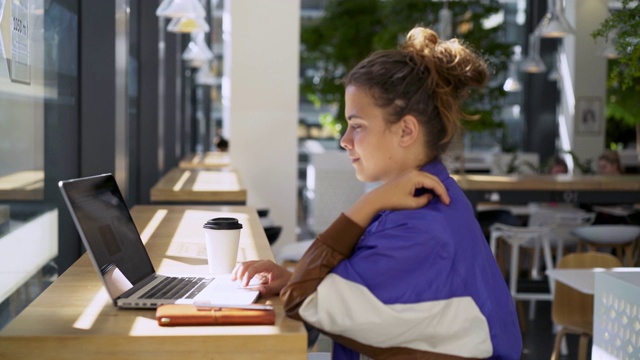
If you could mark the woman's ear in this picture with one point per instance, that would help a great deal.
(410, 130)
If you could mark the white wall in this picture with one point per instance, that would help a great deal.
(260, 103)
(589, 69)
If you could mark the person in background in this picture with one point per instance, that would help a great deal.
(557, 165)
(221, 143)
(387, 280)
(609, 163)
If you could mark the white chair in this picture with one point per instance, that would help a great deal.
(546, 226)
(290, 254)
(562, 222)
(332, 187)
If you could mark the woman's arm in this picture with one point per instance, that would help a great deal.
(332, 246)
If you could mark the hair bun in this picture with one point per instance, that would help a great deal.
(421, 40)
(449, 62)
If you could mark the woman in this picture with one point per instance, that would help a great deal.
(609, 163)
(414, 283)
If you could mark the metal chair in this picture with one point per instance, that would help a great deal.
(571, 309)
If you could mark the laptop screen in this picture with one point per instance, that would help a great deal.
(107, 231)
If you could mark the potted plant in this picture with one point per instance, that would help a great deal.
(623, 86)
(351, 30)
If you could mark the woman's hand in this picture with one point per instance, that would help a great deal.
(271, 276)
(398, 193)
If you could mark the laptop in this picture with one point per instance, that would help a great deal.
(121, 259)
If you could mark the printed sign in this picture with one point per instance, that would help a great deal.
(4, 30)
(20, 59)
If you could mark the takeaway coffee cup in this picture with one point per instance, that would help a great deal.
(222, 237)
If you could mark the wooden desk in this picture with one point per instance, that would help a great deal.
(522, 189)
(22, 185)
(200, 186)
(74, 318)
(211, 160)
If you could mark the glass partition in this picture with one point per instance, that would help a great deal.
(38, 92)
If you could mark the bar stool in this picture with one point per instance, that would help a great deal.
(620, 237)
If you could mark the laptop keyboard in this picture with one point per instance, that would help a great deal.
(177, 288)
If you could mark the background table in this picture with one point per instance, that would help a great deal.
(579, 189)
(22, 185)
(211, 160)
(200, 186)
(74, 318)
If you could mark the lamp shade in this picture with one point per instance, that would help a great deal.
(205, 77)
(533, 62)
(554, 24)
(181, 8)
(188, 25)
(445, 22)
(609, 51)
(554, 74)
(197, 51)
(512, 84)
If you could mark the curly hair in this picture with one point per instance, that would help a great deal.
(426, 77)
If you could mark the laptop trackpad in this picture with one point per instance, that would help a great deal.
(223, 291)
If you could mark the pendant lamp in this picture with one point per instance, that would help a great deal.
(205, 77)
(533, 62)
(512, 84)
(197, 51)
(609, 51)
(188, 25)
(181, 8)
(554, 24)
(445, 22)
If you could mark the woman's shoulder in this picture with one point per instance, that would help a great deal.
(422, 219)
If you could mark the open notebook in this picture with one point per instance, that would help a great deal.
(118, 253)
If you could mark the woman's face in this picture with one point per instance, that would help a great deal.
(606, 168)
(371, 144)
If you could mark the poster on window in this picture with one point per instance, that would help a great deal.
(589, 115)
(20, 55)
(4, 34)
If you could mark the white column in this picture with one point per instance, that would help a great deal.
(260, 103)
(589, 71)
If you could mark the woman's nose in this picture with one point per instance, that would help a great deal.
(346, 140)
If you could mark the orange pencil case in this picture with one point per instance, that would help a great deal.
(185, 315)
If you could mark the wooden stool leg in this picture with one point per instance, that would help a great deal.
(522, 317)
(628, 254)
(556, 346)
(582, 346)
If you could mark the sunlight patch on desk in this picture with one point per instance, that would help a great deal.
(153, 225)
(216, 180)
(143, 326)
(91, 312)
(188, 240)
(180, 183)
(492, 178)
(21, 179)
(34, 186)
